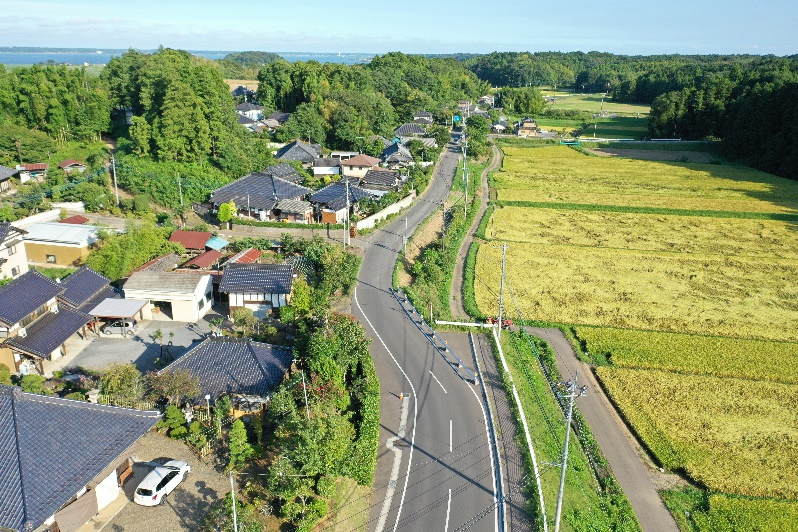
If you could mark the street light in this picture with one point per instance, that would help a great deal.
(208, 402)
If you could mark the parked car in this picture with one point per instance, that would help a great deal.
(160, 482)
(122, 327)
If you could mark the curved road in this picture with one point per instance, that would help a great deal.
(434, 469)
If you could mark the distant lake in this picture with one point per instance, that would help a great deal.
(101, 57)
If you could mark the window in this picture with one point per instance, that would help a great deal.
(12, 250)
(14, 271)
(51, 259)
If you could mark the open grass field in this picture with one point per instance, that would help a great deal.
(593, 103)
(251, 84)
(732, 435)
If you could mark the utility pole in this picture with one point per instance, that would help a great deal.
(233, 492)
(180, 189)
(346, 224)
(305, 389)
(116, 189)
(501, 291)
(404, 239)
(571, 392)
(443, 216)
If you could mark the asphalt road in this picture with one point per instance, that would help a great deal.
(434, 469)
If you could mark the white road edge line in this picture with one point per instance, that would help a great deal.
(450, 435)
(387, 503)
(439, 382)
(448, 508)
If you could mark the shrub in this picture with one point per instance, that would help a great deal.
(5, 375)
(33, 384)
(76, 396)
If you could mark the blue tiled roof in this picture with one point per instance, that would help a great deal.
(51, 447)
(24, 295)
(334, 195)
(82, 285)
(257, 278)
(258, 190)
(235, 365)
(48, 332)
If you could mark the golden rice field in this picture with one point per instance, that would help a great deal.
(647, 232)
(734, 436)
(561, 174)
(689, 353)
(735, 513)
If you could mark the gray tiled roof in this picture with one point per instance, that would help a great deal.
(8, 230)
(83, 285)
(293, 206)
(283, 171)
(50, 448)
(163, 281)
(6, 172)
(248, 107)
(258, 190)
(257, 278)
(299, 151)
(24, 295)
(334, 195)
(422, 114)
(406, 130)
(48, 332)
(245, 120)
(281, 118)
(380, 177)
(235, 365)
(428, 142)
(396, 153)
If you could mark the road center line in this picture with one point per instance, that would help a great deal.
(450, 435)
(448, 508)
(439, 382)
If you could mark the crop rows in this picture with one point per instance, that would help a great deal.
(690, 353)
(732, 435)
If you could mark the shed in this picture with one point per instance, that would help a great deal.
(185, 297)
(191, 240)
(114, 308)
(57, 244)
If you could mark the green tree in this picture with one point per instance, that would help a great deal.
(123, 381)
(174, 385)
(5, 375)
(140, 136)
(33, 383)
(300, 297)
(240, 449)
(226, 211)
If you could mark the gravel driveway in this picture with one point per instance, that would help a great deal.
(186, 506)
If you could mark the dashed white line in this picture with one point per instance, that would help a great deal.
(448, 508)
(439, 382)
(450, 435)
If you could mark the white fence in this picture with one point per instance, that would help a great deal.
(47, 216)
(371, 221)
(76, 206)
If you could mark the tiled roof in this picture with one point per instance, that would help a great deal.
(234, 365)
(408, 129)
(281, 118)
(6, 172)
(361, 160)
(422, 114)
(75, 220)
(385, 142)
(51, 447)
(380, 177)
(293, 206)
(248, 256)
(70, 162)
(334, 195)
(396, 153)
(258, 190)
(7, 230)
(24, 295)
(422, 120)
(82, 285)
(172, 282)
(191, 239)
(205, 260)
(248, 107)
(299, 151)
(326, 161)
(428, 142)
(283, 171)
(48, 332)
(257, 278)
(245, 120)
(164, 263)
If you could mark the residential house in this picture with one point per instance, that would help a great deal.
(343, 155)
(374, 138)
(234, 366)
(185, 297)
(527, 127)
(326, 166)
(359, 165)
(71, 166)
(410, 130)
(396, 156)
(247, 256)
(250, 110)
(33, 326)
(13, 259)
(257, 194)
(426, 142)
(57, 244)
(254, 126)
(294, 211)
(259, 287)
(277, 119)
(63, 460)
(5, 177)
(193, 241)
(85, 289)
(34, 171)
(422, 118)
(284, 171)
(487, 100)
(500, 126)
(242, 92)
(299, 151)
(380, 182)
(331, 201)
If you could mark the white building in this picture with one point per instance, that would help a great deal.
(183, 297)
(13, 259)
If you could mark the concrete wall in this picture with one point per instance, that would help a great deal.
(70, 206)
(48, 216)
(371, 221)
(64, 255)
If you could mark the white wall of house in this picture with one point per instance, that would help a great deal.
(242, 299)
(107, 490)
(326, 170)
(16, 260)
(186, 307)
(354, 171)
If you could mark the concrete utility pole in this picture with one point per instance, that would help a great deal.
(233, 492)
(404, 238)
(571, 392)
(116, 189)
(443, 216)
(347, 224)
(501, 291)
(180, 189)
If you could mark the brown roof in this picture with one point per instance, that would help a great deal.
(69, 162)
(191, 239)
(34, 166)
(361, 160)
(248, 256)
(205, 260)
(77, 220)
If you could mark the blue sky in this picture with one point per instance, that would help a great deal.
(412, 26)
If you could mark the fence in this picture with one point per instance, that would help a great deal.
(123, 402)
(371, 221)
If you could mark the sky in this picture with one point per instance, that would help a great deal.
(410, 26)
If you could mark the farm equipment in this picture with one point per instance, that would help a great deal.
(506, 324)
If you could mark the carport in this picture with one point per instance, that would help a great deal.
(116, 309)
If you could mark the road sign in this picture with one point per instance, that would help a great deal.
(456, 118)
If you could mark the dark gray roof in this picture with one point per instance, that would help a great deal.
(281, 118)
(396, 153)
(299, 151)
(82, 286)
(245, 120)
(334, 195)
(45, 334)
(163, 282)
(326, 161)
(7, 230)
(406, 130)
(235, 365)
(51, 447)
(293, 206)
(248, 107)
(257, 278)
(380, 177)
(242, 91)
(264, 191)
(24, 295)
(283, 171)
(6, 172)
(422, 114)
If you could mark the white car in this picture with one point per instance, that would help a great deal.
(160, 482)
